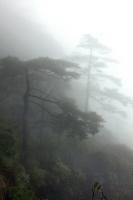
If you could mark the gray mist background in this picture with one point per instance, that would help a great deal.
(32, 28)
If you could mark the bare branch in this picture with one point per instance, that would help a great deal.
(42, 108)
(6, 95)
(50, 101)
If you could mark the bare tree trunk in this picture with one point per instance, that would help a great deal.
(25, 131)
(88, 84)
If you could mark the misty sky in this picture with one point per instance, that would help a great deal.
(32, 28)
(47, 27)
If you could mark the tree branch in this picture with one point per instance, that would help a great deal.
(42, 108)
(50, 75)
(6, 95)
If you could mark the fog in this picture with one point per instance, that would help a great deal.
(21, 35)
(66, 108)
(53, 28)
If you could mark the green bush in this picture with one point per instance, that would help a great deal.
(19, 193)
(8, 141)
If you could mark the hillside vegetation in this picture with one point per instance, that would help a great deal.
(48, 147)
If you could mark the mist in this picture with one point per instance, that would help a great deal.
(43, 92)
(26, 34)
(22, 36)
